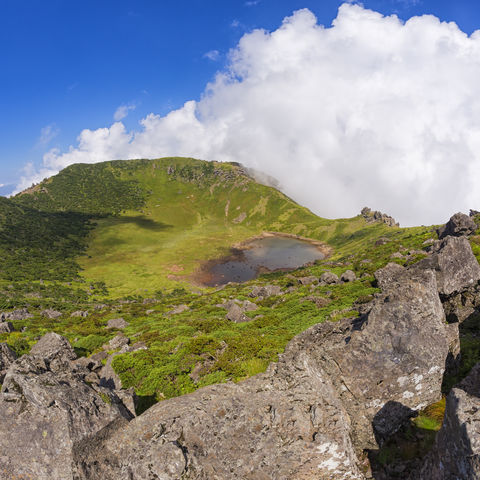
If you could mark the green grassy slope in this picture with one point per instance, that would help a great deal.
(160, 219)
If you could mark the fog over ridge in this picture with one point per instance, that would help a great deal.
(370, 111)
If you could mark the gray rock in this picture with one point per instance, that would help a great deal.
(7, 357)
(20, 314)
(117, 342)
(236, 314)
(118, 323)
(348, 276)
(456, 452)
(454, 264)
(249, 306)
(179, 309)
(458, 225)
(328, 278)
(387, 275)
(47, 415)
(265, 291)
(307, 280)
(6, 327)
(80, 313)
(53, 347)
(397, 255)
(50, 313)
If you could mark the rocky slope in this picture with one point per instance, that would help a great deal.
(339, 389)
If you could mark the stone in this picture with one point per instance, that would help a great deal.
(116, 342)
(50, 313)
(386, 276)
(179, 309)
(397, 255)
(265, 291)
(6, 327)
(7, 357)
(118, 323)
(456, 452)
(79, 313)
(458, 225)
(236, 314)
(348, 276)
(20, 314)
(53, 347)
(328, 278)
(307, 280)
(48, 414)
(454, 264)
(319, 302)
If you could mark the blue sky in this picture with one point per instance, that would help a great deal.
(69, 65)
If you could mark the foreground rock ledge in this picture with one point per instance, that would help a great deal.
(337, 389)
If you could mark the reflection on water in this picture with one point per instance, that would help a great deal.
(261, 255)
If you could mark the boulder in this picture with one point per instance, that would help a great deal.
(118, 323)
(7, 357)
(47, 413)
(307, 280)
(328, 278)
(386, 276)
(454, 264)
(236, 314)
(53, 347)
(50, 313)
(79, 313)
(458, 225)
(348, 276)
(20, 314)
(6, 327)
(116, 342)
(456, 452)
(265, 291)
(179, 309)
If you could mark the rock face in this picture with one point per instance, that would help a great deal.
(458, 225)
(338, 389)
(48, 410)
(456, 453)
(376, 216)
(455, 266)
(7, 357)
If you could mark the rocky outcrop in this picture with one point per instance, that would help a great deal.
(454, 264)
(6, 327)
(7, 357)
(458, 225)
(456, 453)
(48, 410)
(338, 389)
(376, 216)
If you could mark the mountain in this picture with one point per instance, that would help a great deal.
(108, 257)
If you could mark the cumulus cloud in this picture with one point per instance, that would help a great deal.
(370, 111)
(122, 111)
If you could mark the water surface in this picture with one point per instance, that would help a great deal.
(260, 256)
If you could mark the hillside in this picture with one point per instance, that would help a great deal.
(106, 256)
(158, 221)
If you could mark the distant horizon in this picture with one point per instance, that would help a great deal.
(391, 123)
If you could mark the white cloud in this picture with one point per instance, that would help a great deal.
(371, 111)
(122, 111)
(213, 55)
(47, 134)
